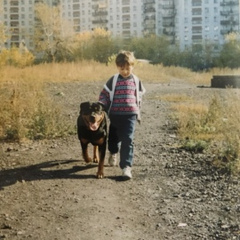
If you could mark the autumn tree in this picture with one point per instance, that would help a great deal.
(230, 53)
(152, 47)
(53, 35)
(95, 45)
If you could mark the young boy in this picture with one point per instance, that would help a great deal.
(122, 96)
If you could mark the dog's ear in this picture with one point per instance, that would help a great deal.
(84, 106)
(102, 106)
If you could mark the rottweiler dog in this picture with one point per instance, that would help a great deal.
(92, 128)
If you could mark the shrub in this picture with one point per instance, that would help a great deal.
(215, 126)
(26, 112)
(15, 57)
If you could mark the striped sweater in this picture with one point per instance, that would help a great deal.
(124, 97)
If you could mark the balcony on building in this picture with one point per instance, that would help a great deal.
(196, 30)
(196, 21)
(225, 31)
(76, 14)
(14, 3)
(150, 17)
(230, 3)
(15, 31)
(168, 14)
(196, 3)
(225, 13)
(125, 2)
(76, 6)
(14, 9)
(149, 1)
(126, 10)
(168, 23)
(15, 38)
(14, 23)
(99, 13)
(229, 22)
(126, 25)
(197, 37)
(126, 18)
(197, 11)
(100, 21)
(168, 32)
(14, 16)
(168, 6)
(150, 10)
(149, 25)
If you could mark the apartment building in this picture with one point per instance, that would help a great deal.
(19, 18)
(205, 21)
(125, 18)
(183, 22)
(122, 17)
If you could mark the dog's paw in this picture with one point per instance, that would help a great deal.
(88, 160)
(100, 175)
(95, 159)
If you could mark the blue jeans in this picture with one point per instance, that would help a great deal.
(120, 138)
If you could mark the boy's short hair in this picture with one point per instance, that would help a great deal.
(125, 58)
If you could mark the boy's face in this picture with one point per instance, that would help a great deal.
(125, 70)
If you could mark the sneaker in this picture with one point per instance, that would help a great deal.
(112, 161)
(127, 173)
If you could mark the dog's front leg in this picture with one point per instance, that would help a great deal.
(85, 155)
(95, 154)
(102, 152)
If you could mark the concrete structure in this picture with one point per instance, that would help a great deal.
(184, 22)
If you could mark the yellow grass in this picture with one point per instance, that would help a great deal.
(27, 112)
(174, 97)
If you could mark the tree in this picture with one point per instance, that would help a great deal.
(230, 53)
(102, 45)
(153, 48)
(53, 35)
(95, 45)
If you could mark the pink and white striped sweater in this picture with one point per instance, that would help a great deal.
(126, 97)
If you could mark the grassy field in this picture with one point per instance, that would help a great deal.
(26, 112)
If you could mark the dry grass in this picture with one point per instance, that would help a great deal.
(216, 125)
(174, 97)
(58, 72)
(27, 112)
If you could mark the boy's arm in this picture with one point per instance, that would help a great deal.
(104, 97)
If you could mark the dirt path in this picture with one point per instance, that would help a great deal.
(47, 191)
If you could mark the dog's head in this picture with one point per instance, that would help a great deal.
(92, 114)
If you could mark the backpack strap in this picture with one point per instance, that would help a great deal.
(115, 77)
(111, 91)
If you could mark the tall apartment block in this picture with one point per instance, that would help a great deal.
(19, 18)
(183, 22)
(188, 22)
(122, 17)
